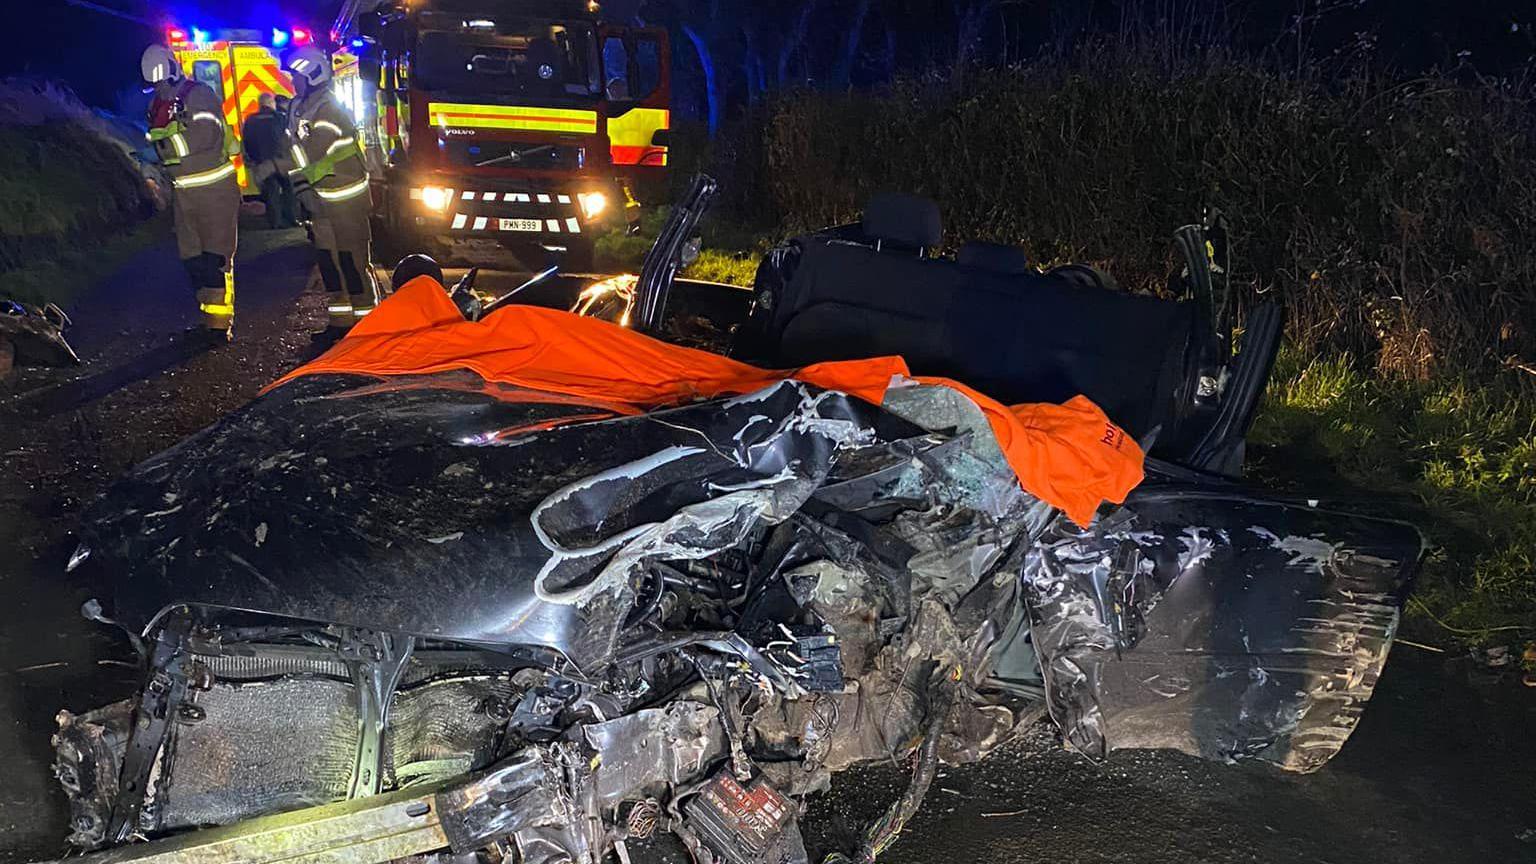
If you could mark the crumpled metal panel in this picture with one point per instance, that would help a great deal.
(88, 761)
(450, 508)
(34, 336)
(525, 791)
(675, 745)
(1228, 626)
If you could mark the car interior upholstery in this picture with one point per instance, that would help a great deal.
(986, 317)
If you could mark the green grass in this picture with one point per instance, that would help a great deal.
(1458, 456)
(59, 279)
(63, 183)
(732, 268)
(73, 202)
(729, 254)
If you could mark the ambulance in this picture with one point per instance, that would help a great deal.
(240, 65)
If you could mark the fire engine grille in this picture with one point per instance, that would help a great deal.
(515, 154)
(512, 214)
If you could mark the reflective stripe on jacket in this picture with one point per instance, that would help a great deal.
(194, 142)
(324, 136)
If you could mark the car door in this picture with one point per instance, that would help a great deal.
(1209, 618)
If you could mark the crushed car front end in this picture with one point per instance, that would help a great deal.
(555, 591)
(755, 591)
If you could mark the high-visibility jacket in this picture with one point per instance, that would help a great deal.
(327, 148)
(187, 128)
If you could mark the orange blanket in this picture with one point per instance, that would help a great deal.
(1071, 455)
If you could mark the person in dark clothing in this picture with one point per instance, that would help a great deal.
(265, 138)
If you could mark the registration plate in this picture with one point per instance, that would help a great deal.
(520, 224)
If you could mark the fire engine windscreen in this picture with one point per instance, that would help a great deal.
(538, 59)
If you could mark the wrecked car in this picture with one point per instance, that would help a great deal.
(494, 581)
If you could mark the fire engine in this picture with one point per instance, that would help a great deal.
(493, 125)
(239, 64)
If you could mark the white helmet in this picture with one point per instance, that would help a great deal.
(158, 64)
(309, 62)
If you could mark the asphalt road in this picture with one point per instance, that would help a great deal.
(1442, 768)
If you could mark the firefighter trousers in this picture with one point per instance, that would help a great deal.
(206, 219)
(343, 254)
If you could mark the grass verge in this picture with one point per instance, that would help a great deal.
(60, 279)
(730, 253)
(73, 199)
(1459, 455)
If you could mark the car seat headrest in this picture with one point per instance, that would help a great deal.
(412, 266)
(994, 258)
(909, 221)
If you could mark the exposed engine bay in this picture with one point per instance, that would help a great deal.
(447, 617)
(815, 584)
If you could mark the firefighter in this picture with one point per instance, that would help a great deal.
(265, 142)
(187, 128)
(333, 184)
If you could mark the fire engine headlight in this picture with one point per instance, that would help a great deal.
(434, 198)
(592, 204)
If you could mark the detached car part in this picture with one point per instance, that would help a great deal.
(33, 336)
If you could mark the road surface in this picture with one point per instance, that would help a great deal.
(1442, 768)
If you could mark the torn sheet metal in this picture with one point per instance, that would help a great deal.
(676, 744)
(526, 791)
(1212, 622)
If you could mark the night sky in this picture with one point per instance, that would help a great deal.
(96, 53)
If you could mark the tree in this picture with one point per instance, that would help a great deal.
(794, 39)
(711, 78)
(842, 73)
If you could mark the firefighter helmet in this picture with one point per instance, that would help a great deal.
(159, 63)
(309, 62)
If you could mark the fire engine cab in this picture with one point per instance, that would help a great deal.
(495, 125)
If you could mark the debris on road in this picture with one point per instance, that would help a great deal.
(33, 336)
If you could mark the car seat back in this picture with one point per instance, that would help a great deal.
(1020, 337)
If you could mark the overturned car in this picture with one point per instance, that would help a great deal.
(493, 581)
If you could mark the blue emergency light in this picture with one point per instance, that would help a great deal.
(199, 37)
(279, 38)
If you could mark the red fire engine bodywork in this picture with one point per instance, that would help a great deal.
(519, 130)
